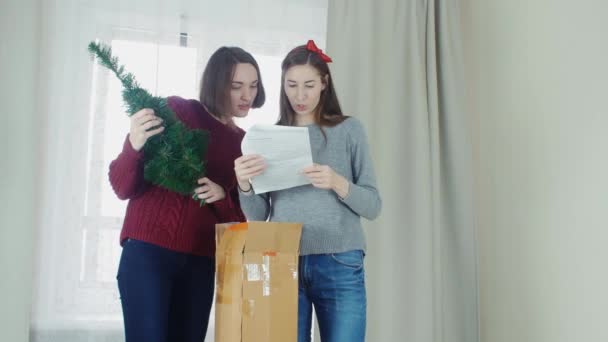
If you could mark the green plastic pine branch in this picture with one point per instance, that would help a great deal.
(174, 159)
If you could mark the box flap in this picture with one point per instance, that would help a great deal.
(272, 237)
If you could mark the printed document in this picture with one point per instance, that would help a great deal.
(286, 151)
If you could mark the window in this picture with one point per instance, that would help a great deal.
(75, 291)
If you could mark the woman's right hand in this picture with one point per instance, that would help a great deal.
(247, 167)
(141, 122)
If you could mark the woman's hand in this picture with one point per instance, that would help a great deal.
(141, 123)
(209, 191)
(324, 177)
(247, 167)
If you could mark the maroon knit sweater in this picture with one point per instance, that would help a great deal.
(174, 221)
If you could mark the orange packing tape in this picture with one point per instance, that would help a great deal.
(270, 253)
(238, 226)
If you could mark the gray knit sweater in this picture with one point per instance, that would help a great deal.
(331, 224)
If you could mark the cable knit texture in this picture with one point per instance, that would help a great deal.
(171, 220)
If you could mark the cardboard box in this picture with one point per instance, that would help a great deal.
(257, 282)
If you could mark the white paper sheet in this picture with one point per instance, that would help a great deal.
(286, 151)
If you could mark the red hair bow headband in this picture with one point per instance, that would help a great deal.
(310, 46)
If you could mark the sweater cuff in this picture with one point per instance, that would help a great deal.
(225, 204)
(348, 199)
(225, 208)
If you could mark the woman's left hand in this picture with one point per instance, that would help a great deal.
(324, 177)
(209, 191)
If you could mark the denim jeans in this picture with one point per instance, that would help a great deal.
(166, 296)
(335, 285)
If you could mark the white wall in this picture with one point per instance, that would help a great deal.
(538, 79)
(19, 39)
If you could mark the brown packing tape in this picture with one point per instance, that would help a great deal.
(248, 307)
(226, 273)
(229, 260)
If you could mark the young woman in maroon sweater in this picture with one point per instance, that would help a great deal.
(167, 268)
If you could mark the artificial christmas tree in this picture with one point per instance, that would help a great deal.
(175, 158)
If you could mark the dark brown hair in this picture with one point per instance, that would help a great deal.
(328, 111)
(217, 80)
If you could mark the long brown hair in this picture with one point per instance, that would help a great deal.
(328, 112)
(217, 79)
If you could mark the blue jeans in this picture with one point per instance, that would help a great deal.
(166, 296)
(335, 285)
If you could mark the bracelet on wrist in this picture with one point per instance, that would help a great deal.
(244, 191)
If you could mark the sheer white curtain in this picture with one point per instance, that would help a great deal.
(19, 51)
(398, 67)
(166, 44)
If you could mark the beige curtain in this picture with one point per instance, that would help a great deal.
(398, 68)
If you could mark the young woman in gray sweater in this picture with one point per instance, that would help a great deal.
(343, 188)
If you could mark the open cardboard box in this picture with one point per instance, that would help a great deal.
(257, 282)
